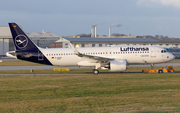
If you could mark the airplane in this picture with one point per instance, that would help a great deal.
(114, 58)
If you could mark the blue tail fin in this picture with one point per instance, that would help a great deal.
(21, 40)
(25, 48)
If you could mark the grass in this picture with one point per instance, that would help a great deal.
(176, 60)
(17, 63)
(105, 93)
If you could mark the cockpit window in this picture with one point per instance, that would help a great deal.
(163, 51)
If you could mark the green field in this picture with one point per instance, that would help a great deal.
(17, 63)
(90, 93)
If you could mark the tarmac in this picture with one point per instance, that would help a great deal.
(46, 67)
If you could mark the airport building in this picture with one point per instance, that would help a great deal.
(43, 39)
(6, 41)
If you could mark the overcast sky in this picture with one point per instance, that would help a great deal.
(72, 17)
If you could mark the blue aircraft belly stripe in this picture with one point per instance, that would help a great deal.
(33, 56)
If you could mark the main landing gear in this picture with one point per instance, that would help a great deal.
(95, 71)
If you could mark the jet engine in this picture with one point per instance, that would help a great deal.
(117, 65)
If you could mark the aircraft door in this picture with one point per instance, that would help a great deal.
(40, 56)
(153, 52)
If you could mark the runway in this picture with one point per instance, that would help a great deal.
(45, 67)
(32, 67)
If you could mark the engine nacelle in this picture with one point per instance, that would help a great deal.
(118, 65)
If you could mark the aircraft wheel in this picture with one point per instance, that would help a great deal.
(95, 71)
(142, 71)
(160, 71)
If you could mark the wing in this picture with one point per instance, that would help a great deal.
(90, 57)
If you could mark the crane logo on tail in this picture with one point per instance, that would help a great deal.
(21, 41)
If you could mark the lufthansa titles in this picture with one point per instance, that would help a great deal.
(134, 49)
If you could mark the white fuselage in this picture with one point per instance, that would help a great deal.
(133, 54)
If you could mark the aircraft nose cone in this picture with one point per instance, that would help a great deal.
(171, 56)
